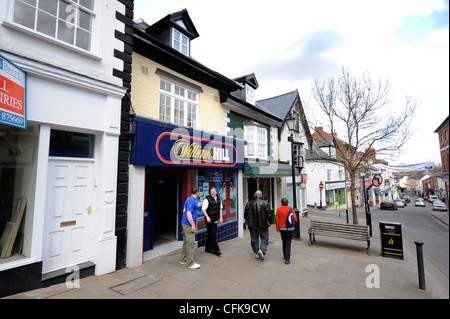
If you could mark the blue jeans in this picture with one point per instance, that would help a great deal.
(257, 234)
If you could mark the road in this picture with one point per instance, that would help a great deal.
(419, 225)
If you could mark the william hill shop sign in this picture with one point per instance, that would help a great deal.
(12, 94)
(161, 144)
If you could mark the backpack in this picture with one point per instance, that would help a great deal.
(290, 219)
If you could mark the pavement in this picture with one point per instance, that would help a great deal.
(332, 268)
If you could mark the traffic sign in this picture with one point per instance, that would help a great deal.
(321, 185)
(377, 180)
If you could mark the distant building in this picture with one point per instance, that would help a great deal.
(443, 132)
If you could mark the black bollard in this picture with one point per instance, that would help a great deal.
(420, 267)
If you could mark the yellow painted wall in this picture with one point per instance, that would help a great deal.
(145, 95)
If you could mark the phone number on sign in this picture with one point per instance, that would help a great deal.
(12, 119)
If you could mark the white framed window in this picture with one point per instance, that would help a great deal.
(177, 104)
(298, 155)
(256, 137)
(180, 42)
(69, 21)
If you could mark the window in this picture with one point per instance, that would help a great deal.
(69, 21)
(298, 158)
(18, 166)
(71, 144)
(177, 104)
(180, 42)
(256, 137)
(225, 181)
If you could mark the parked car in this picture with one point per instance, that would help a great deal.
(431, 198)
(400, 202)
(438, 205)
(419, 202)
(388, 204)
(406, 198)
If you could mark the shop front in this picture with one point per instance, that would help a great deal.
(169, 161)
(335, 194)
(57, 178)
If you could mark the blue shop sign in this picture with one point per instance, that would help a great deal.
(161, 144)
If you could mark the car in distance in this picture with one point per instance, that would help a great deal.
(419, 202)
(432, 198)
(400, 202)
(439, 205)
(406, 198)
(388, 204)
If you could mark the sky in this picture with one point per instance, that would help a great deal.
(288, 44)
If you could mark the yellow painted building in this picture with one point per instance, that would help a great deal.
(177, 101)
(145, 95)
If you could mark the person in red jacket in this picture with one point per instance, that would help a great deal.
(286, 233)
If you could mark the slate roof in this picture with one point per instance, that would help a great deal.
(279, 105)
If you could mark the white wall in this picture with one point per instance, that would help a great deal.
(317, 172)
(97, 64)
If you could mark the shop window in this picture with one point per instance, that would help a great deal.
(71, 144)
(225, 182)
(18, 158)
(69, 21)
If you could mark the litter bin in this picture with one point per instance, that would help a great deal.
(391, 240)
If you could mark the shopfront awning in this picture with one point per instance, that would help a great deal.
(271, 169)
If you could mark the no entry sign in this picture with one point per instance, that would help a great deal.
(13, 110)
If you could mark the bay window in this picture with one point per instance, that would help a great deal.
(256, 137)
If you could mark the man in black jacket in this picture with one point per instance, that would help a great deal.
(212, 209)
(257, 216)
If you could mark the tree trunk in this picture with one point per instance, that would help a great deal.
(353, 197)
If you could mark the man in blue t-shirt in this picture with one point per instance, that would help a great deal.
(188, 222)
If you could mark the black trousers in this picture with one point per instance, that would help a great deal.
(211, 240)
(286, 238)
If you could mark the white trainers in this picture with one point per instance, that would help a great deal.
(261, 254)
(194, 266)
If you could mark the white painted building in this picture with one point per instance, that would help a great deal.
(330, 175)
(283, 106)
(64, 164)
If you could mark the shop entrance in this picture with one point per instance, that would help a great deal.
(161, 207)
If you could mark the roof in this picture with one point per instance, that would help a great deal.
(250, 79)
(179, 20)
(152, 48)
(443, 124)
(280, 105)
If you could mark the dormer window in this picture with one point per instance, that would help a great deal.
(249, 94)
(180, 42)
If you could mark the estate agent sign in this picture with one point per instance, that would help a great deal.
(13, 110)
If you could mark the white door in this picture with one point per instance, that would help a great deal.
(67, 213)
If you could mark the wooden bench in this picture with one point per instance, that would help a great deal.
(348, 231)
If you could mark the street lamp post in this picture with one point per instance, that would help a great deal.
(290, 122)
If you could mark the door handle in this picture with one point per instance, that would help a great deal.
(89, 209)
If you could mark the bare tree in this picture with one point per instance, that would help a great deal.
(361, 109)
